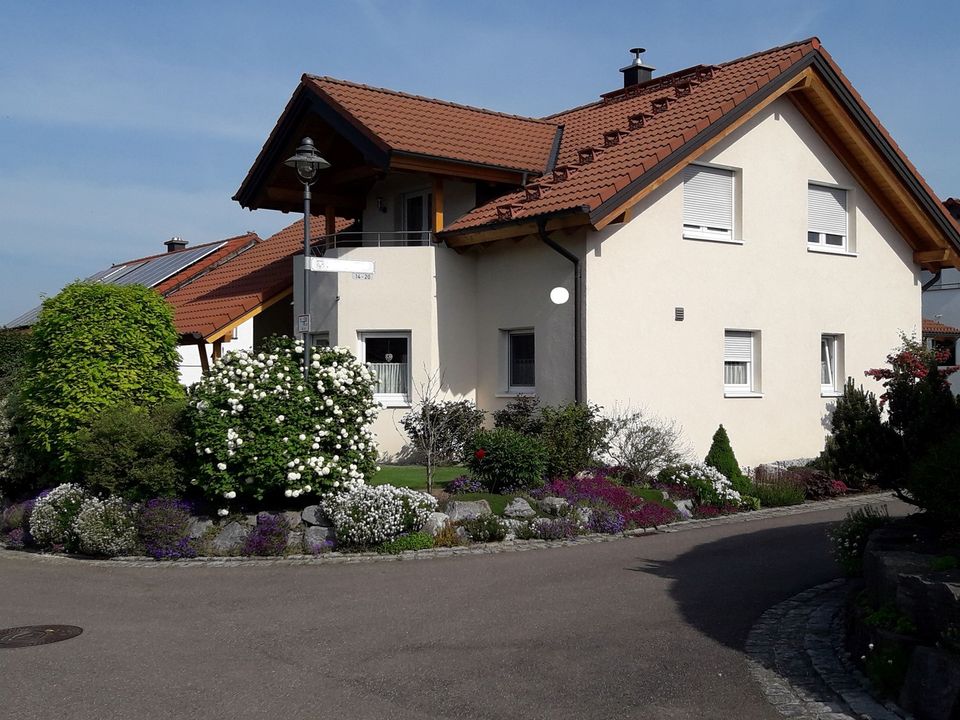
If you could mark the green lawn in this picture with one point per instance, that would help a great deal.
(415, 476)
(652, 495)
(498, 503)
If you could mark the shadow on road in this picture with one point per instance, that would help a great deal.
(721, 588)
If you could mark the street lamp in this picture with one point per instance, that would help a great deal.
(307, 162)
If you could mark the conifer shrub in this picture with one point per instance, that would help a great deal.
(721, 457)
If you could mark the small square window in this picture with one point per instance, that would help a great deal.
(740, 362)
(521, 363)
(387, 355)
(826, 217)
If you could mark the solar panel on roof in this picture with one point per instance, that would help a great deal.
(25, 320)
(114, 272)
(153, 272)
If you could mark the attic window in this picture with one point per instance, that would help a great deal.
(661, 104)
(635, 122)
(587, 155)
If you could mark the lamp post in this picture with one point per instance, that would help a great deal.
(307, 162)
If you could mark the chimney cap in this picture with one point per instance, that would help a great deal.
(637, 61)
(175, 243)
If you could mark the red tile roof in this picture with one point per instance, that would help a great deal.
(935, 327)
(612, 142)
(216, 300)
(436, 128)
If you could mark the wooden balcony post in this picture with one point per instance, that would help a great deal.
(330, 220)
(437, 203)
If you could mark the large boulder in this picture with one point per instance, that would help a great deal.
(435, 522)
(313, 515)
(198, 526)
(882, 570)
(293, 518)
(932, 687)
(230, 538)
(931, 601)
(684, 508)
(519, 508)
(466, 509)
(315, 536)
(553, 505)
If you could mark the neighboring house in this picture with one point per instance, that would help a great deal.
(735, 239)
(941, 302)
(168, 273)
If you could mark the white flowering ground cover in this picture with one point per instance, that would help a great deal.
(371, 514)
(260, 428)
(717, 485)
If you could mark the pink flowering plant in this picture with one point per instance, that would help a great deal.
(620, 508)
(261, 429)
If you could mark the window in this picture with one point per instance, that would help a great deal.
(387, 354)
(521, 361)
(826, 217)
(948, 349)
(740, 362)
(830, 366)
(320, 339)
(707, 203)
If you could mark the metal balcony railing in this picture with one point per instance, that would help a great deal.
(393, 238)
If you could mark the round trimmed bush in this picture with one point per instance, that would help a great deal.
(505, 460)
(105, 527)
(94, 345)
(260, 429)
(51, 522)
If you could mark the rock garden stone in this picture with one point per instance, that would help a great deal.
(466, 509)
(317, 535)
(313, 515)
(295, 541)
(584, 514)
(932, 686)
(882, 571)
(684, 508)
(435, 522)
(553, 505)
(198, 526)
(230, 537)
(519, 508)
(293, 518)
(931, 601)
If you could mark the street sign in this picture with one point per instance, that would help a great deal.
(303, 323)
(322, 264)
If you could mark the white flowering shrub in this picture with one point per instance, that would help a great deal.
(105, 527)
(712, 486)
(371, 514)
(260, 429)
(51, 522)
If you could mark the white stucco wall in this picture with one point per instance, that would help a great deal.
(637, 273)
(401, 296)
(190, 368)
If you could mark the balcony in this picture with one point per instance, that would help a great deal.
(393, 238)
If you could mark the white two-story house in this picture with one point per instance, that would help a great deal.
(723, 244)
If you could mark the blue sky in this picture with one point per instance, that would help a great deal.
(124, 123)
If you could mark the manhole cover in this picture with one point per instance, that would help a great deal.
(36, 635)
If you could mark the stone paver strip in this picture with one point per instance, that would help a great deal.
(797, 655)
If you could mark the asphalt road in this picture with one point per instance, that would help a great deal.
(648, 627)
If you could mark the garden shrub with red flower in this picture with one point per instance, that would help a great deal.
(504, 460)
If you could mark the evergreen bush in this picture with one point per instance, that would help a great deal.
(504, 460)
(94, 345)
(721, 457)
(575, 437)
(858, 442)
(521, 415)
(136, 453)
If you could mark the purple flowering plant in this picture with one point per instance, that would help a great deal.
(269, 537)
(164, 527)
(464, 484)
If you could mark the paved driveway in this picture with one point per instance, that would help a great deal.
(648, 627)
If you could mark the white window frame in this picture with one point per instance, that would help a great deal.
(819, 243)
(388, 400)
(717, 232)
(320, 339)
(505, 363)
(833, 343)
(751, 388)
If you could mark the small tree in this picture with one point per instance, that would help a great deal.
(721, 457)
(645, 444)
(94, 345)
(859, 441)
(440, 430)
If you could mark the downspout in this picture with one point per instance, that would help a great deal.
(577, 308)
(932, 281)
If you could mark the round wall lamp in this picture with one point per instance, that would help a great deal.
(559, 295)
